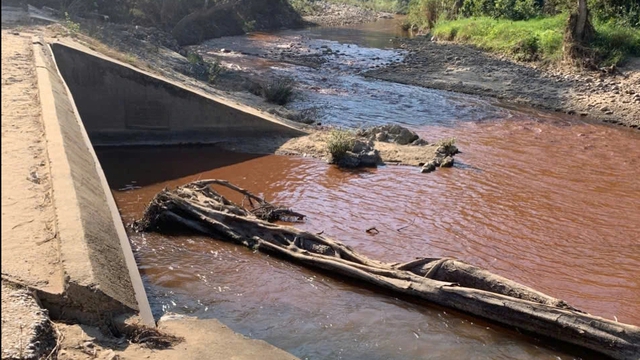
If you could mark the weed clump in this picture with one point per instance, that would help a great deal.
(339, 143)
(447, 147)
(278, 91)
(202, 69)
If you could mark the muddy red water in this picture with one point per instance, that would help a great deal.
(552, 203)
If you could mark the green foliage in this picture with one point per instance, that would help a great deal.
(539, 38)
(195, 58)
(423, 12)
(614, 42)
(426, 13)
(73, 27)
(214, 69)
(279, 91)
(623, 12)
(528, 40)
(203, 69)
(249, 26)
(339, 142)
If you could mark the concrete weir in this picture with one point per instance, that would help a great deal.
(91, 100)
(120, 105)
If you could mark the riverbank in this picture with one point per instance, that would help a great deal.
(325, 13)
(612, 98)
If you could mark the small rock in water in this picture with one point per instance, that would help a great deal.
(428, 167)
(447, 162)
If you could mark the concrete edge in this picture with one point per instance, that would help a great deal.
(296, 127)
(66, 204)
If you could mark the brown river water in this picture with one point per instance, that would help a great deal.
(550, 201)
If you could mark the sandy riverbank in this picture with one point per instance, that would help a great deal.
(459, 68)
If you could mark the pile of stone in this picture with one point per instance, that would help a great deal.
(392, 133)
(443, 158)
(361, 155)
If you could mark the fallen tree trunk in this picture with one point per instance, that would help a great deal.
(444, 281)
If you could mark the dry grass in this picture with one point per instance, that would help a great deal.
(339, 142)
(152, 338)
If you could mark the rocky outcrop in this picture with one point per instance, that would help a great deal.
(443, 157)
(236, 18)
(392, 133)
(362, 154)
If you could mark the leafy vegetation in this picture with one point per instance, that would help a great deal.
(422, 12)
(279, 91)
(203, 69)
(72, 27)
(539, 38)
(339, 142)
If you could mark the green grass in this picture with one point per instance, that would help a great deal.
(614, 42)
(537, 39)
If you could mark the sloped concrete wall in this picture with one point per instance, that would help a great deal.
(101, 275)
(120, 105)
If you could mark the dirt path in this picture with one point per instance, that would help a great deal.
(29, 247)
(464, 69)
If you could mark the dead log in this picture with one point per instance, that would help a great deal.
(447, 282)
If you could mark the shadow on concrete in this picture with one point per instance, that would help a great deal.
(147, 165)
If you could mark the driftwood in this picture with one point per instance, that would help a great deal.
(444, 281)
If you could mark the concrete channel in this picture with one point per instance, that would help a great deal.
(89, 100)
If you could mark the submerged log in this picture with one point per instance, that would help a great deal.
(445, 281)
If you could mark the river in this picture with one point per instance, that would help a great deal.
(548, 200)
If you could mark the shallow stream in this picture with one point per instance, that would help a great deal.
(547, 200)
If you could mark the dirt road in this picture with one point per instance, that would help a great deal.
(29, 245)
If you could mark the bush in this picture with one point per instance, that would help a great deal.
(279, 91)
(527, 49)
(202, 69)
(614, 42)
(339, 142)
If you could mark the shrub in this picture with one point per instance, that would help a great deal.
(339, 142)
(279, 91)
(195, 58)
(73, 27)
(527, 49)
(214, 69)
(447, 147)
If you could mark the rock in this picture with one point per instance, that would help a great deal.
(382, 136)
(420, 142)
(405, 137)
(370, 159)
(349, 160)
(447, 162)
(428, 167)
(361, 146)
(604, 109)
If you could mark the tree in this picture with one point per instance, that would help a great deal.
(578, 35)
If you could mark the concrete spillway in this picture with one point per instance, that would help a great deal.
(90, 100)
(121, 105)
